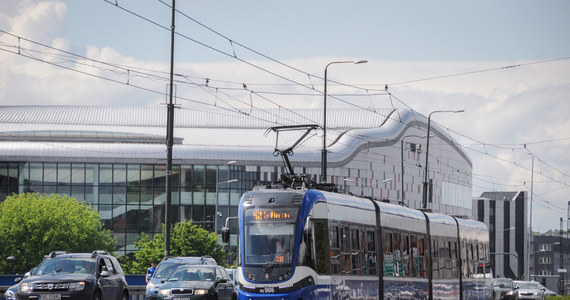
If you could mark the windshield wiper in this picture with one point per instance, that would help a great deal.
(270, 265)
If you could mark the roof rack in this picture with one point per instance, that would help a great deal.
(98, 252)
(56, 253)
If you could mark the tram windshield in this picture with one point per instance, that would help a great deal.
(269, 236)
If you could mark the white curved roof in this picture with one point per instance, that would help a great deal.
(137, 134)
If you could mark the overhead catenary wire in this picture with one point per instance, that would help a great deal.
(431, 78)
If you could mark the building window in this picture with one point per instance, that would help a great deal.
(545, 247)
(544, 260)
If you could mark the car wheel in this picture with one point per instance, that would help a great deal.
(96, 295)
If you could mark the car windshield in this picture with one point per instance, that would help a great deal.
(164, 270)
(66, 266)
(504, 284)
(194, 273)
(528, 285)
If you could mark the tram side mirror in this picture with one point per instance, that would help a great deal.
(307, 235)
(225, 234)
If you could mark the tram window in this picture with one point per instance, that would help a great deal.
(414, 255)
(398, 257)
(388, 243)
(333, 236)
(345, 257)
(421, 257)
(321, 256)
(396, 240)
(355, 245)
(356, 255)
(446, 249)
(477, 256)
(371, 254)
(345, 239)
(406, 255)
(454, 261)
(370, 241)
(334, 251)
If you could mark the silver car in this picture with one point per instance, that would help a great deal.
(529, 290)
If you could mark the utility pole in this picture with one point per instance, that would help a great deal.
(169, 141)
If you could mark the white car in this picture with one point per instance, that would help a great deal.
(530, 290)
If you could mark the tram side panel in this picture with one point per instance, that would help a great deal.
(475, 259)
(352, 245)
(404, 253)
(444, 245)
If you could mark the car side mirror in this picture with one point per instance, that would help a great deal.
(104, 274)
(18, 279)
(222, 280)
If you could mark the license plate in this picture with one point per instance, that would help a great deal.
(50, 297)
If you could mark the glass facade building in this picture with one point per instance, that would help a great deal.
(131, 197)
(114, 159)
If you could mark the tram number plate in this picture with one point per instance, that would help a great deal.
(268, 290)
(50, 297)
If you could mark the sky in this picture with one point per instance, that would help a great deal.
(506, 63)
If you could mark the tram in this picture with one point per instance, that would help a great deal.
(312, 244)
(308, 242)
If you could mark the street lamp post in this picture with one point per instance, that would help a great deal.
(324, 151)
(11, 260)
(217, 213)
(424, 198)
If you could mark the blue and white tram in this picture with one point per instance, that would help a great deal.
(311, 244)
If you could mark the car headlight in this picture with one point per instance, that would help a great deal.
(536, 293)
(150, 285)
(77, 286)
(164, 292)
(10, 295)
(510, 293)
(27, 287)
(200, 292)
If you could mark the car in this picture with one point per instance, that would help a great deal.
(504, 289)
(198, 282)
(529, 290)
(75, 276)
(10, 293)
(165, 268)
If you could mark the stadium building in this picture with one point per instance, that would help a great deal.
(114, 159)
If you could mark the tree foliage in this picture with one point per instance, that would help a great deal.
(186, 239)
(32, 225)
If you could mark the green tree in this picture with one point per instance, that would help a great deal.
(186, 239)
(32, 225)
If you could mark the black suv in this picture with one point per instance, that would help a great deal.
(165, 268)
(62, 275)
